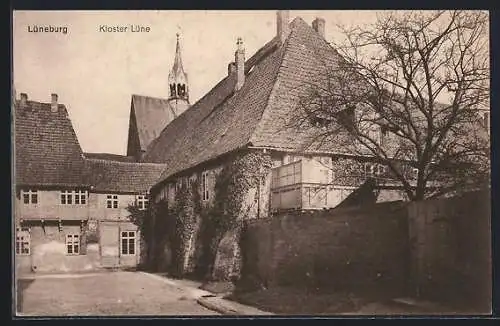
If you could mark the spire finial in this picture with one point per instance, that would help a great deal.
(177, 79)
(239, 43)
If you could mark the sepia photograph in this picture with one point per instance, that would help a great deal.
(251, 163)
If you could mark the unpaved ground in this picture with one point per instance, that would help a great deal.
(117, 293)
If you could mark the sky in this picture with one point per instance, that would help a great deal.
(95, 73)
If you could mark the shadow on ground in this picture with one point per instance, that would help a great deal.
(22, 285)
(292, 301)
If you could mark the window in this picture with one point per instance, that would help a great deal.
(321, 122)
(486, 119)
(204, 186)
(66, 197)
(142, 201)
(72, 244)
(172, 90)
(178, 185)
(370, 169)
(112, 201)
(30, 197)
(347, 118)
(23, 241)
(287, 175)
(383, 135)
(381, 169)
(181, 89)
(128, 242)
(78, 197)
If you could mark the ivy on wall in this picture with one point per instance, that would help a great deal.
(185, 216)
(142, 219)
(188, 226)
(228, 211)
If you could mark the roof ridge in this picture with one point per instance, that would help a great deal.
(252, 61)
(122, 162)
(149, 96)
(191, 108)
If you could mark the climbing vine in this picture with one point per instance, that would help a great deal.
(188, 227)
(142, 219)
(186, 213)
(228, 211)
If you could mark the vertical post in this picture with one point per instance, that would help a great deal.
(119, 257)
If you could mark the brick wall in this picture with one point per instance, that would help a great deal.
(451, 249)
(340, 249)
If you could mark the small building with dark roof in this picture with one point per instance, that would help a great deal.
(70, 207)
(116, 185)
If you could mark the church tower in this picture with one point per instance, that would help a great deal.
(178, 84)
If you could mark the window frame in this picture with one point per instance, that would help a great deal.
(142, 202)
(112, 201)
(23, 243)
(128, 237)
(73, 241)
(73, 197)
(205, 192)
(370, 169)
(30, 194)
(80, 196)
(66, 197)
(381, 169)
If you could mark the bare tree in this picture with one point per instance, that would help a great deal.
(409, 88)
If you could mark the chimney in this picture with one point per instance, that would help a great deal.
(53, 103)
(283, 17)
(231, 68)
(319, 26)
(239, 57)
(24, 99)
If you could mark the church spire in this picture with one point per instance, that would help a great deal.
(177, 79)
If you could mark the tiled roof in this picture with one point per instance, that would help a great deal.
(221, 121)
(108, 156)
(115, 176)
(47, 152)
(306, 59)
(148, 116)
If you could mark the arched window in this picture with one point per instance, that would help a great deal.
(172, 89)
(181, 89)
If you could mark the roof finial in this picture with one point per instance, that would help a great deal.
(239, 43)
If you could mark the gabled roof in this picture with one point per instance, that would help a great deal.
(118, 177)
(221, 121)
(306, 60)
(148, 116)
(47, 152)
